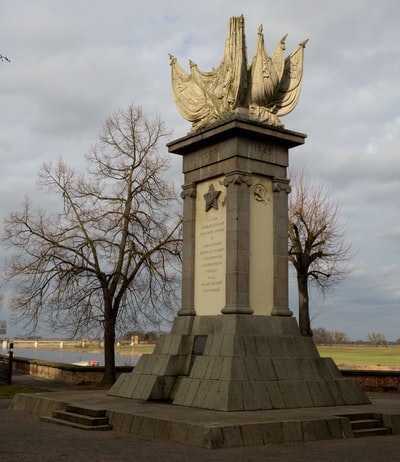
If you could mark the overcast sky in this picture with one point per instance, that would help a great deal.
(74, 62)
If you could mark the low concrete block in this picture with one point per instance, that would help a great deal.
(278, 347)
(305, 347)
(213, 345)
(308, 430)
(232, 435)
(202, 367)
(339, 428)
(251, 435)
(221, 395)
(247, 346)
(173, 345)
(148, 427)
(336, 392)
(280, 368)
(180, 432)
(181, 391)
(122, 387)
(162, 429)
(253, 371)
(292, 431)
(262, 345)
(305, 366)
(271, 432)
(174, 365)
(142, 364)
(234, 397)
(136, 424)
(182, 325)
(205, 325)
(321, 368)
(120, 421)
(302, 394)
(315, 430)
(189, 389)
(255, 396)
(351, 392)
(332, 368)
(288, 391)
(127, 423)
(161, 364)
(204, 391)
(392, 421)
(320, 393)
(162, 387)
(293, 367)
(19, 402)
(213, 439)
(216, 365)
(139, 386)
(266, 369)
(275, 395)
(228, 345)
(237, 369)
(197, 436)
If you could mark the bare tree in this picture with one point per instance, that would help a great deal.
(340, 338)
(376, 339)
(110, 256)
(317, 247)
(324, 337)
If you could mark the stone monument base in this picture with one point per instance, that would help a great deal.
(238, 363)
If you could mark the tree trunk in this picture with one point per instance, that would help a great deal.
(109, 348)
(304, 312)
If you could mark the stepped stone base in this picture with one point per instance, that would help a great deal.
(238, 363)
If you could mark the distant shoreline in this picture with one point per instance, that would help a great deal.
(81, 347)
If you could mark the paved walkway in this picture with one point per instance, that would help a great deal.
(24, 438)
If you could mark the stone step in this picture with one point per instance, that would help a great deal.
(360, 416)
(92, 412)
(366, 425)
(82, 418)
(372, 432)
(363, 424)
(75, 424)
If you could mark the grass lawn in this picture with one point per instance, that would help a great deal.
(8, 391)
(367, 357)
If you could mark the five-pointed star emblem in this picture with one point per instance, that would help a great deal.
(211, 198)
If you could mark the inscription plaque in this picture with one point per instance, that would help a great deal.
(210, 252)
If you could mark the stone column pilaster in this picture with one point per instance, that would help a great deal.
(281, 189)
(188, 250)
(237, 243)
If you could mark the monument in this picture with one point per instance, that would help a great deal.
(234, 345)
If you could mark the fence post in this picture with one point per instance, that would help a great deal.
(10, 362)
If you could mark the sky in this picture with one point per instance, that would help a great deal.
(75, 62)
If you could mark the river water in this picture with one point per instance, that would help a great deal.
(70, 357)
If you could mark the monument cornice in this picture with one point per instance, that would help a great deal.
(236, 125)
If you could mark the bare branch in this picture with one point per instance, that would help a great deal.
(111, 252)
(317, 247)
